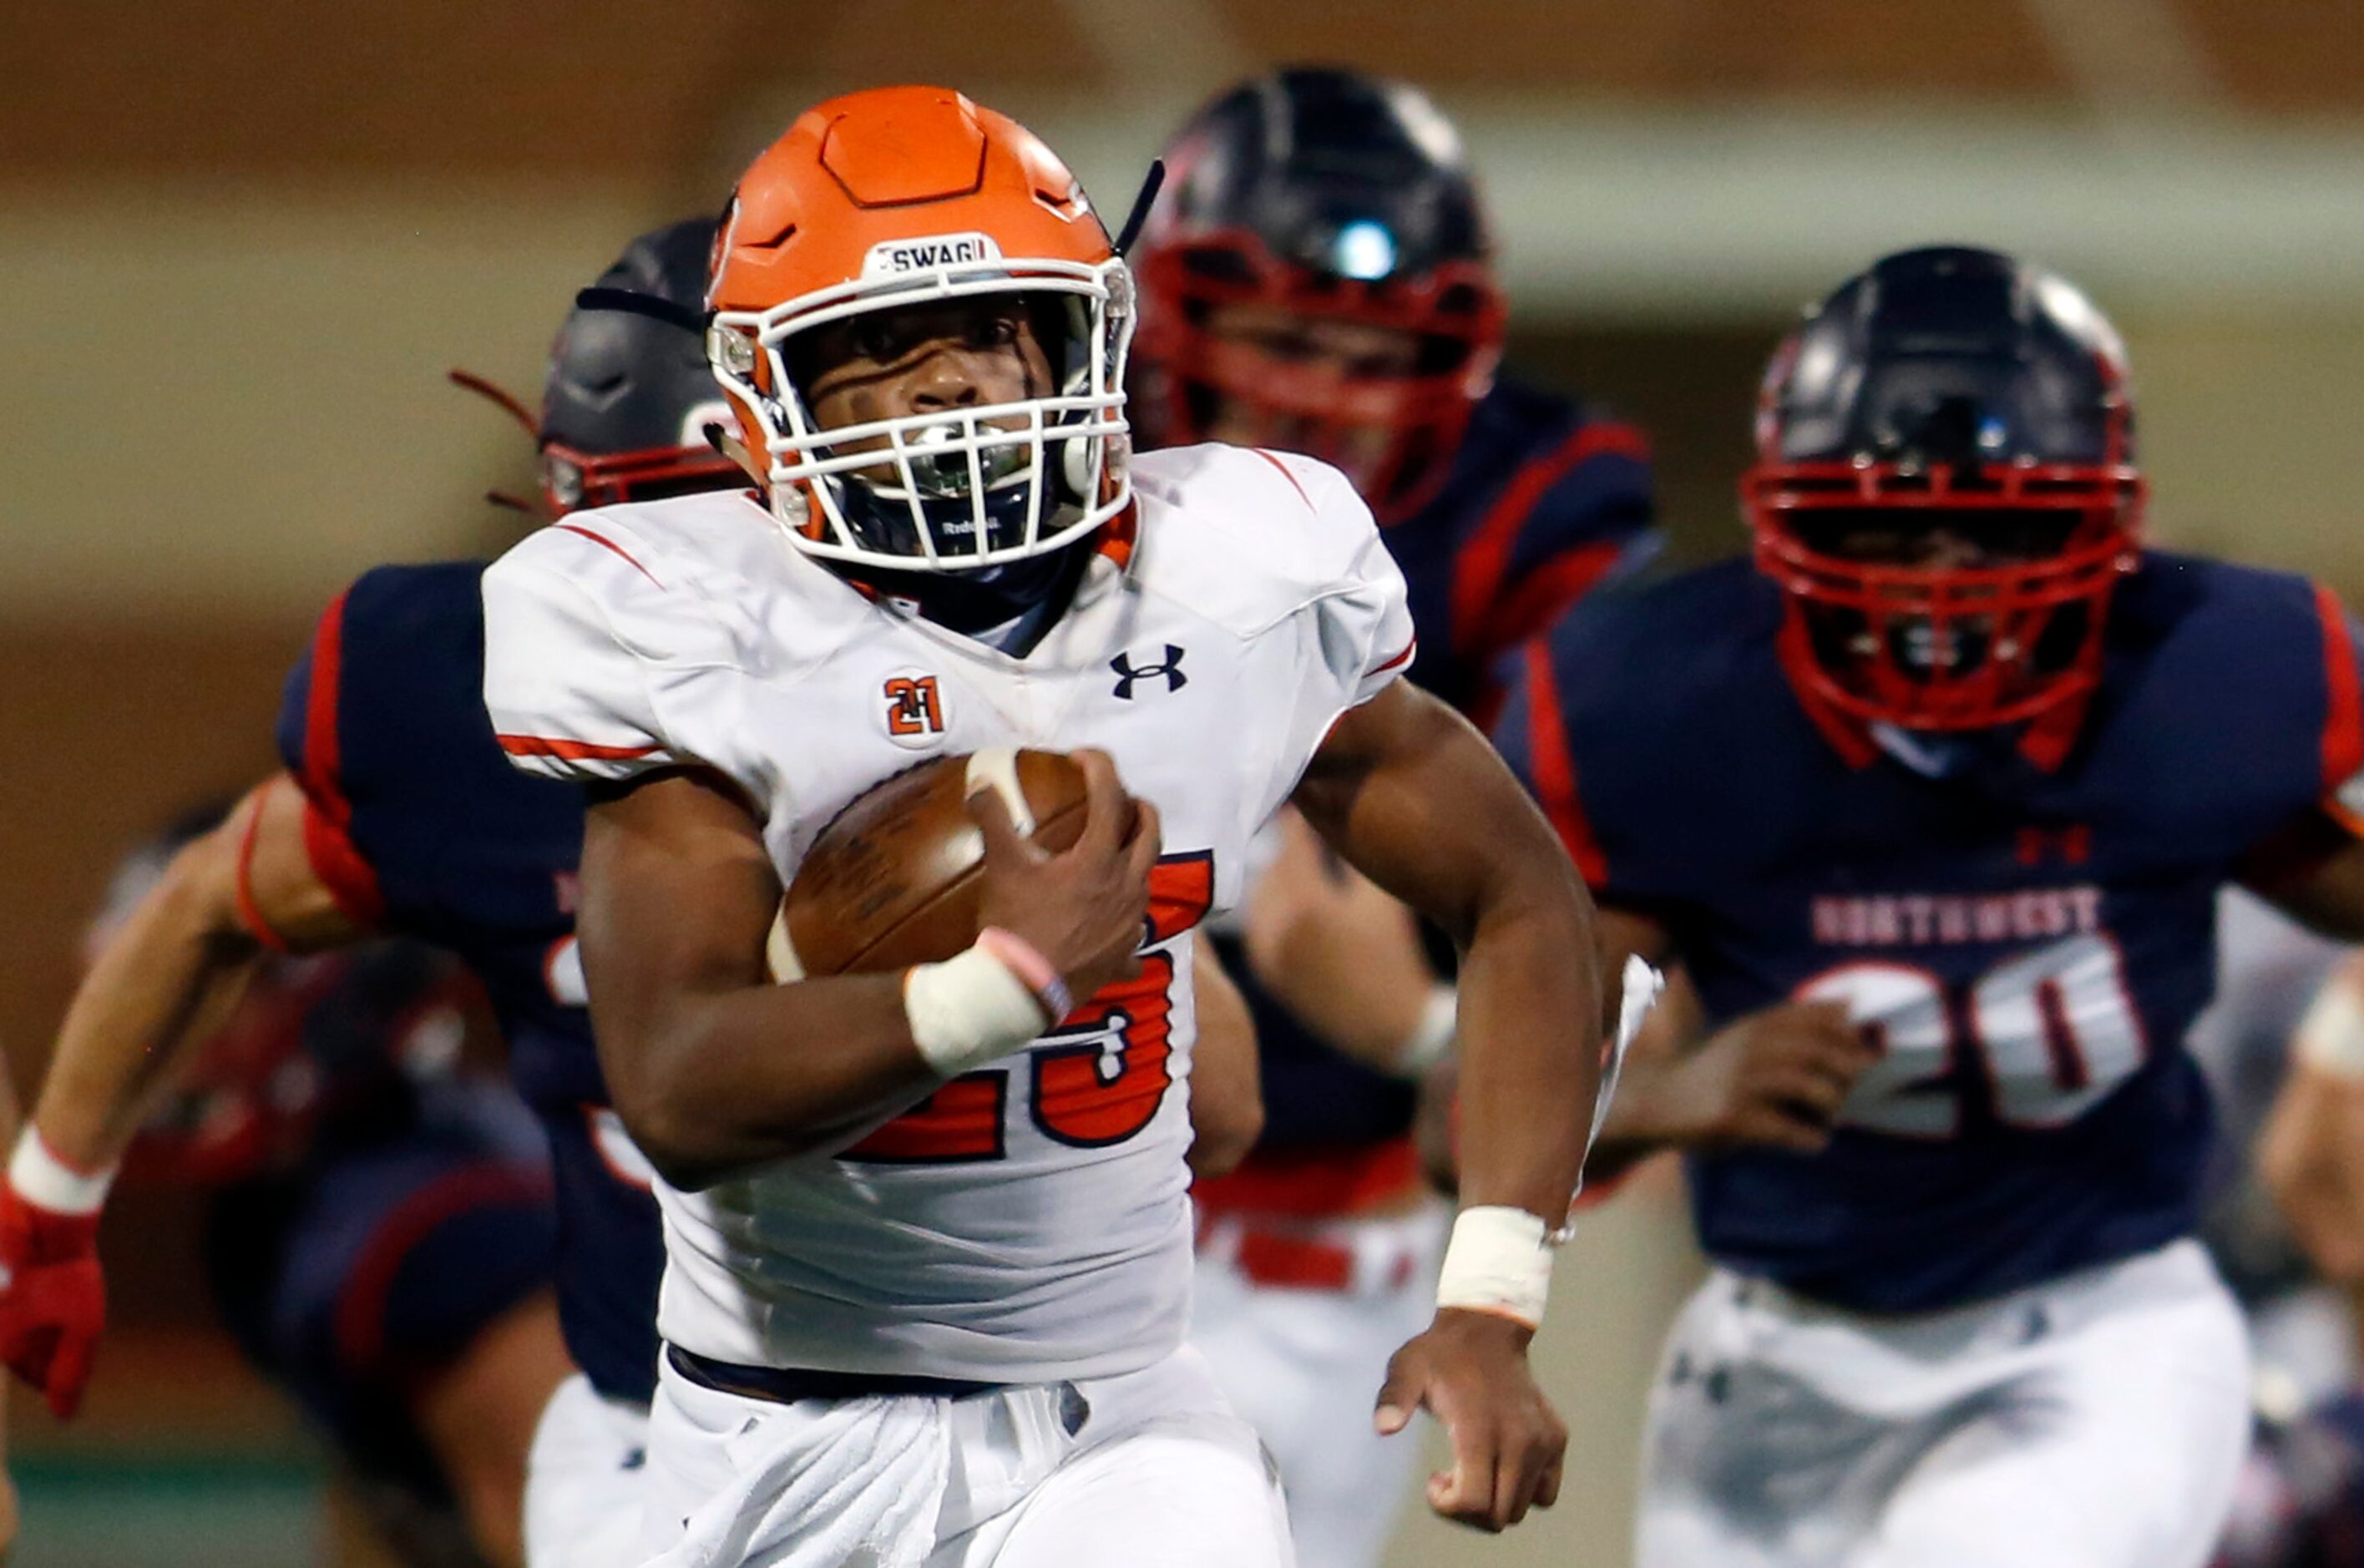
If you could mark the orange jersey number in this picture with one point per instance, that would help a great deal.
(1098, 1079)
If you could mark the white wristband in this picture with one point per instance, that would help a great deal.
(1500, 1261)
(2331, 1036)
(1432, 1037)
(969, 1010)
(46, 1182)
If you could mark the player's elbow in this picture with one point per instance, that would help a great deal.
(678, 1144)
(652, 1092)
(669, 1123)
(196, 900)
(689, 1125)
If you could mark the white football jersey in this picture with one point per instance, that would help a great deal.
(1028, 1221)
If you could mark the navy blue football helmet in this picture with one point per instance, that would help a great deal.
(628, 396)
(1334, 194)
(1946, 488)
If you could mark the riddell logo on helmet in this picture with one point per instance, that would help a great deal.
(893, 257)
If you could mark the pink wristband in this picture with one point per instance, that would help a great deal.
(1023, 960)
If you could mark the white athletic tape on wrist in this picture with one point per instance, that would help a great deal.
(46, 1182)
(1499, 1261)
(1431, 1039)
(1023, 959)
(970, 1010)
(2331, 1036)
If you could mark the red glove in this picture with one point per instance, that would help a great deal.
(52, 1297)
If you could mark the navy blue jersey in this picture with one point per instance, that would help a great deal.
(418, 823)
(1544, 500)
(2027, 929)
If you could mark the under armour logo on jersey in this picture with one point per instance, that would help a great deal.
(1126, 674)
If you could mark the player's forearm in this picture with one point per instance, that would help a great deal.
(1531, 1034)
(161, 986)
(719, 1082)
(1412, 796)
(713, 1067)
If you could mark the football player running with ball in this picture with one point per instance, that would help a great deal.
(899, 1331)
(1953, 773)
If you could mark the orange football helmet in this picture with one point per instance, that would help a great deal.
(909, 196)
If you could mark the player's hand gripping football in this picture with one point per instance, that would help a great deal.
(1469, 1369)
(1082, 909)
(1775, 1079)
(52, 1297)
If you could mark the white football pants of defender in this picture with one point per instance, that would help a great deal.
(583, 1479)
(1149, 1469)
(1304, 1367)
(2097, 1421)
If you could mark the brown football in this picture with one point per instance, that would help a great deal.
(897, 877)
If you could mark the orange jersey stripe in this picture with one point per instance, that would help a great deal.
(573, 751)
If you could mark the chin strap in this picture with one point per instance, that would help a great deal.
(721, 438)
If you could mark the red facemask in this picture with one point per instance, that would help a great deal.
(1455, 311)
(1949, 647)
(574, 481)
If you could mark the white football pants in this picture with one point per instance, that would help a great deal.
(583, 1479)
(1148, 1469)
(2097, 1421)
(1304, 1367)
